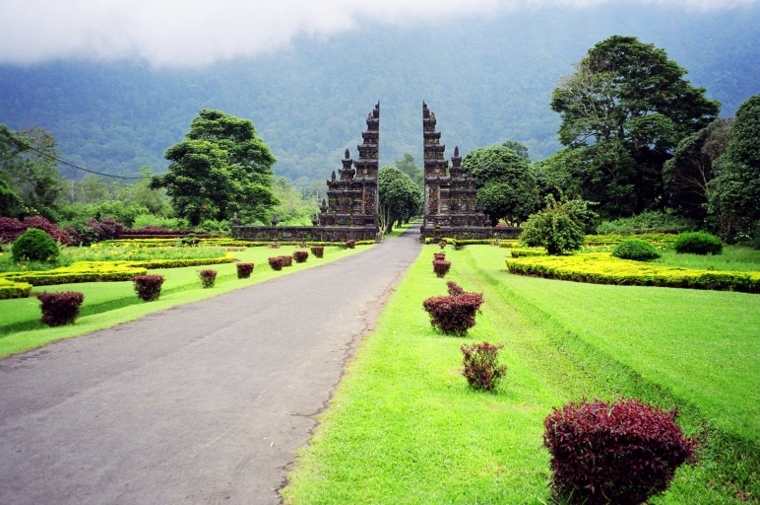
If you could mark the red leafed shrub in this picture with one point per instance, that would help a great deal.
(441, 267)
(439, 256)
(453, 314)
(244, 270)
(60, 308)
(287, 261)
(622, 453)
(107, 229)
(350, 244)
(276, 263)
(454, 288)
(318, 251)
(481, 365)
(148, 287)
(300, 256)
(208, 278)
(11, 229)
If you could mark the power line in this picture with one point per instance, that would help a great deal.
(62, 162)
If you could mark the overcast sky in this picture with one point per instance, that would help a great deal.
(187, 33)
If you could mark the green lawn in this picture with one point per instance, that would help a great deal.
(109, 303)
(404, 427)
(733, 258)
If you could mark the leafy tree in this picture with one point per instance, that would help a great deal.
(519, 148)
(507, 188)
(222, 167)
(688, 173)
(410, 168)
(400, 197)
(29, 171)
(628, 106)
(735, 189)
(560, 227)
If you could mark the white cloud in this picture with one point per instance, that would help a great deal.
(199, 32)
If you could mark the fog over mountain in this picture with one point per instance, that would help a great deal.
(307, 77)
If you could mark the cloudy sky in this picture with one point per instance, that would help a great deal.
(186, 33)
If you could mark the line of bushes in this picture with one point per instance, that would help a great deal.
(13, 289)
(602, 268)
(84, 271)
(656, 239)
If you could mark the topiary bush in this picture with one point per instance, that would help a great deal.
(453, 288)
(208, 278)
(287, 261)
(441, 267)
(635, 249)
(59, 309)
(481, 365)
(453, 314)
(148, 287)
(350, 244)
(300, 256)
(698, 242)
(276, 262)
(622, 453)
(318, 251)
(244, 270)
(439, 256)
(35, 245)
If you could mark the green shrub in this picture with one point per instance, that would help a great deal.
(560, 227)
(635, 249)
(698, 243)
(11, 289)
(646, 222)
(35, 245)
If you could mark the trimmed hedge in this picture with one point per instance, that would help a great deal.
(177, 263)
(518, 252)
(276, 262)
(656, 239)
(35, 245)
(635, 249)
(698, 243)
(602, 268)
(81, 271)
(244, 270)
(10, 289)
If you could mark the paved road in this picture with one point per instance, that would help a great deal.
(203, 403)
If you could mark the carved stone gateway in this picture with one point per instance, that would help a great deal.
(450, 208)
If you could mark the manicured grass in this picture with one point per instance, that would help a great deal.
(733, 258)
(404, 427)
(109, 303)
(398, 230)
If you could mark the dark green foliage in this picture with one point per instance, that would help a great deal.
(300, 256)
(635, 249)
(507, 187)
(208, 278)
(276, 262)
(646, 222)
(453, 314)
(519, 148)
(318, 251)
(400, 197)
(560, 227)
(481, 365)
(59, 309)
(148, 287)
(244, 270)
(624, 130)
(35, 245)
(410, 168)
(623, 453)
(221, 168)
(698, 242)
(441, 267)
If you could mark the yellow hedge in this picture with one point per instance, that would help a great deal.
(12, 289)
(601, 268)
(518, 252)
(81, 271)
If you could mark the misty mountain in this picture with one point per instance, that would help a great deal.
(487, 80)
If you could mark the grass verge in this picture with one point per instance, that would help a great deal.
(404, 427)
(107, 304)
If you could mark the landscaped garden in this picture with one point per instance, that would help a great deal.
(405, 426)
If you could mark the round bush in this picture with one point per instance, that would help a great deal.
(35, 245)
(635, 249)
(698, 242)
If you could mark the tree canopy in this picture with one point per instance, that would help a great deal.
(410, 168)
(507, 187)
(628, 105)
(400, 197)
(222, 167)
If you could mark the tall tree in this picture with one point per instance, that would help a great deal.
(221, 168)
(400, 197)
(507, 187)
(628, 105)
(735, 189)
(410, 168)
(519, 148)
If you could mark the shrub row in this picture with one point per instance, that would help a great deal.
(657, 239)
(12, 289)
(176, 263)
(698, 243)
(601, 268)
(82, 271)
(521, 252)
